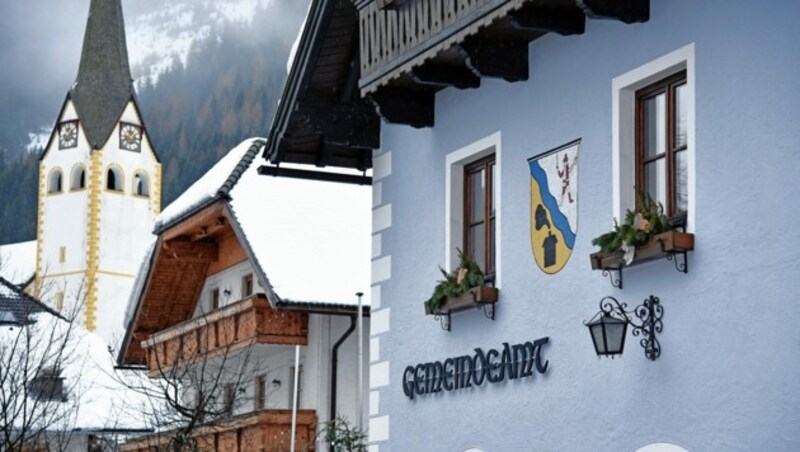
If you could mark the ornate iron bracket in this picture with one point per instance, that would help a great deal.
(444, 320)
(649, 314)
(488, 310)
(615, 282)
(683, 266)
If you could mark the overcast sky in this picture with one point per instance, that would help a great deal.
(42, 40)
(42, 44)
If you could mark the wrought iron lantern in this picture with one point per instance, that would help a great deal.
(609, 326)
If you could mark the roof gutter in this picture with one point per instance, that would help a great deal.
(335, 364)
(309, 308)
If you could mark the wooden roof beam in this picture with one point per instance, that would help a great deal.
(399, 106)
(459, 76)
(549, 16)
(628, 11)
(501, 58)
(353, 125)
(189, 251)
(209, 230)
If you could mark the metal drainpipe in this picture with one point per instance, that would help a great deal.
(335, 362)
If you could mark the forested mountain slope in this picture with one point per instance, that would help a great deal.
(227, 92)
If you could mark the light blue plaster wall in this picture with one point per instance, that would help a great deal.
(729, 374)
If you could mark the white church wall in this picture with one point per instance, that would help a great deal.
(92, 226)
(61, 238)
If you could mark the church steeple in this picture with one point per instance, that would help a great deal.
(104, 86)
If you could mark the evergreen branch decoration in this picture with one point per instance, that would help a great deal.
(466, 276)
(648, 219)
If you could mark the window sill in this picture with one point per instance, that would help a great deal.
(667, 245)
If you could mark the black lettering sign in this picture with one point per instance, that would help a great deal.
(512, 362)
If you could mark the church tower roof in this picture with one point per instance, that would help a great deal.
(104, 85)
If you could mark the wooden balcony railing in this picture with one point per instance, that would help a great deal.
(241, 324)
(397, 36)
(260, 431)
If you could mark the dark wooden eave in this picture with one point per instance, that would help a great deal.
(410, 49)
(321, 119)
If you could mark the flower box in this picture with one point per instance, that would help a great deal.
(471, 299)
(658, 246)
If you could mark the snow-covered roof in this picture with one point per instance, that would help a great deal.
(138, 284)
(296, 43)
(310, 240)
(205, 189)
(17, 307)
(18, 261)
(97, 396)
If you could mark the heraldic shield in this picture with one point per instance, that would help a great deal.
(554, 206)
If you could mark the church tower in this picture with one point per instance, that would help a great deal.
(99, 185)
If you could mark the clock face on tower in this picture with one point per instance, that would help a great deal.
(68, 134)
(130, 137)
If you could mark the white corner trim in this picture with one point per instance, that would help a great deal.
(379, 321)
(379, 375)
(381, 218)
(375, 349)
(377, 194)
(377, 241)
(454, 197)
(375, 297)
(374, 402)
(623, 106)
(378, 429)
(381, 269)
(382, 166)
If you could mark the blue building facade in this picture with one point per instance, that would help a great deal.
(727, 376)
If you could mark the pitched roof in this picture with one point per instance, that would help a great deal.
(321, 120)
(104, 85)
(17, 307)
(309, 240)
(216, 183)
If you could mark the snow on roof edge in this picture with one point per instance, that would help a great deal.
(220, 179)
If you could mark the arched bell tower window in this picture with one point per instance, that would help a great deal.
(114, 179)
(78, 178)
(54, 181)
(141, 184)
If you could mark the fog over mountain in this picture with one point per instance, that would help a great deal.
(208, 74)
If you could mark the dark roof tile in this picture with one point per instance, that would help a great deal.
(104, 86)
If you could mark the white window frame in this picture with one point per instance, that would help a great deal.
(454, 197)
(623, 117)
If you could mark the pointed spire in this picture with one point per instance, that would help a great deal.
(104, 86)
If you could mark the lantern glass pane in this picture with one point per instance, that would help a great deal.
(615, 334)
(596, 329)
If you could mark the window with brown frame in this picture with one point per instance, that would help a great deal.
(247, 285)
(261, 392)
(479, 213)
(228, 399)
(215, 299)
(661, 143)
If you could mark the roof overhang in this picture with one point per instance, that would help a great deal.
(175, 276)
(321, 120)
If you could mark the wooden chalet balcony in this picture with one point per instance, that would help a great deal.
(409, 49)
(260, 431)
(395, 33)
(244, 323)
